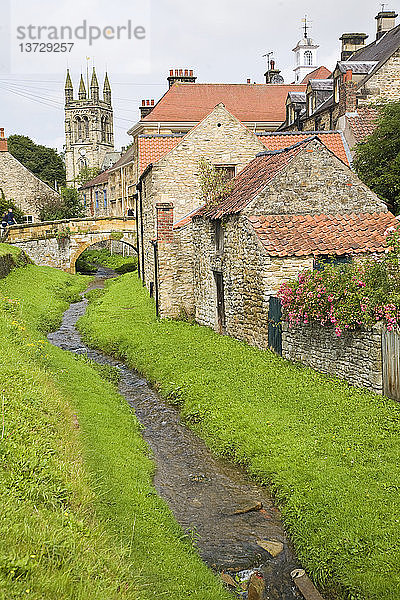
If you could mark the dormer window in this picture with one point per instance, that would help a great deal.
(219, 236)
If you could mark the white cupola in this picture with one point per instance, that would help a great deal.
(305, 55)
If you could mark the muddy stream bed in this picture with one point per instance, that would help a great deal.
(203, 491)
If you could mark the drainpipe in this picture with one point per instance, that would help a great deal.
(155, 248)
(137, 231)
(139, 188)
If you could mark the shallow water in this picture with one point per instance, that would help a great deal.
(203, 491)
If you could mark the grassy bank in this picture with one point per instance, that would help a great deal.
(330, 452)
(79, 516)
(91, 258)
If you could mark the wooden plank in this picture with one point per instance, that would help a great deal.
(391, 363)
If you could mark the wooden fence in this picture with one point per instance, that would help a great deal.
(391, 363)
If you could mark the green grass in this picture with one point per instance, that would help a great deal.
(329, 452)
(8, 249)
(89, 259)
(79, 517)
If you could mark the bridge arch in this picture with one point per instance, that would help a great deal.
(85, 245)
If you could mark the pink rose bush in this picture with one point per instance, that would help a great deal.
(345, 297)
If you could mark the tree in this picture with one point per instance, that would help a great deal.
(86, 174)
(6, 204)
(377, 160)
(68, 206)
(43, 162)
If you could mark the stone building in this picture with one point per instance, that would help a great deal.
(365, 74)
(122, 184)
(89, 129)
(290, 209)
(95, 196)
(20, 185)
(219, 137)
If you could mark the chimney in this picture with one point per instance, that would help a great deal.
(351, 42)
(181, 75)
(249, 81)
(165, 221)
(146, 108)
(272, 75)
(347, 94)
(3, 141)
(386, 20)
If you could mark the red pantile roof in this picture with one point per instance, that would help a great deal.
(333, 140)
(191, 102)
(320, 73)
(305, 235)
(153, 147)
(101, 178)
(251, 181)
(363, 122)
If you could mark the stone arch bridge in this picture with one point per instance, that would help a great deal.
(60, 243)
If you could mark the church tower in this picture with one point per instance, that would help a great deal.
(89, 130)
(306, 55)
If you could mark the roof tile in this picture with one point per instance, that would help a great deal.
(289, 235)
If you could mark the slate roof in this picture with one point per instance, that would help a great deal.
(305, 235)
(333, 140)
(379, 50)
(191, 102)
(98, 180)
(321, 84)
(299, 97)
(124, 160)
(358, 68)
(320, 73)
(363, 122)
(153, 147)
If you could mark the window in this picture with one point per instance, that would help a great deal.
(84, 200)
(322, 261)
(308, 58)
(310, 104)
(86, 127)
(228, 170)
(97, 200)
(219, 236)
(298, 58)
(105, 198)
(28, 219)
(337, 84)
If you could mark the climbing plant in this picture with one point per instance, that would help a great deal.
(215, 184)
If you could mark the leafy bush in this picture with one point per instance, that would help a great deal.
(90, 259)
(348, 297)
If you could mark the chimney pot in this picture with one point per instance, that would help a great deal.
(171, 72)
(143, 102)
(180, 73)
(190, 73)
(2, 132)
(249, 81)
(152, 103)
(272, 65)
(176, 72)
(186, 73)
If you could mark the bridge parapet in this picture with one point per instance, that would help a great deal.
(60, 243)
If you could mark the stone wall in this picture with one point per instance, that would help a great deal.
(22, 186)
(175, 261)
(250, 278)
(316, 182)
(385, 83)
(356, 356)
(222, 139)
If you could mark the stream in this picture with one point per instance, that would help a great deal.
(202, 490)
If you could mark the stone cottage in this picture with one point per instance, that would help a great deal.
(289, 210)
(222, 139)
(95, 196)
(21, 185)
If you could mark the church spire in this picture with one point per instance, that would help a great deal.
(94, 87)
(82, 90)
(107, 90)
(69, 90)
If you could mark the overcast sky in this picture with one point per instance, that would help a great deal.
(221, 40)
